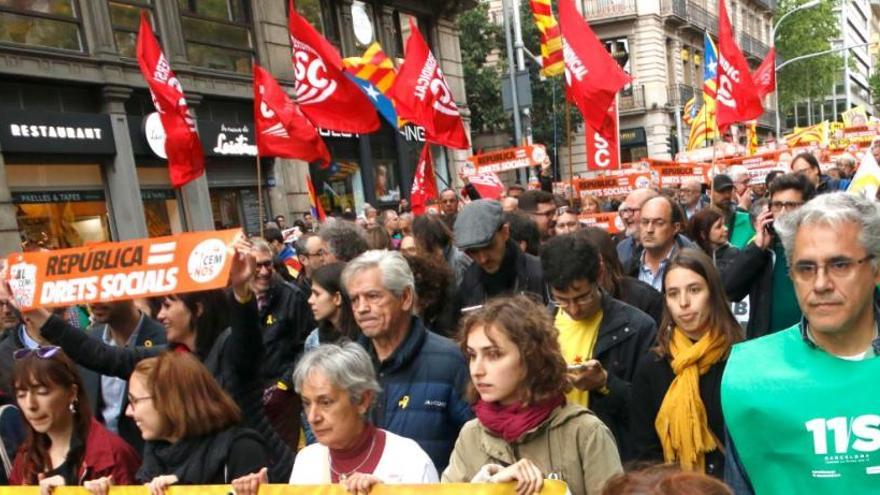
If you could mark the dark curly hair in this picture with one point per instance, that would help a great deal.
(568, 258)
(432, 277)
(528, 325)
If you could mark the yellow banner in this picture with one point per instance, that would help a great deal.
(550, 488)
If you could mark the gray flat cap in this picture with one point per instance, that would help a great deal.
(477, 223)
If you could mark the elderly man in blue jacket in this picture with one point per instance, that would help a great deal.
(421, 373)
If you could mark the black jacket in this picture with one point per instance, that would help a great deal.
(625, 335)
(649, 387)
(285, 322)
(750, 273)
(9, 343)
(214, 459)
(724, 256)
(151, 332)
(641, 295)
(529, 279)
(234, 361)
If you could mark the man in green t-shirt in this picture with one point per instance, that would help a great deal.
(801, 407)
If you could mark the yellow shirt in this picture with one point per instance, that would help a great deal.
(578, 339)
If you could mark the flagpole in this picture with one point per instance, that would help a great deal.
(260, 192)
(617, 116)
(570, 153)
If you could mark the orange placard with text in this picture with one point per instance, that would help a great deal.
(677, 174)
(509, 159)
(115, 271)
(607, 221)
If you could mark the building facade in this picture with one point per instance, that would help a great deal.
(660, 43)
(79, 160)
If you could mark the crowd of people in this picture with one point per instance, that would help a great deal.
(485, 342)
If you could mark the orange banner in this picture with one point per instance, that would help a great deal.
(607, 221)
(551, 487)
(115, 271)
(675, 175)
(509, 159)
(615, 184)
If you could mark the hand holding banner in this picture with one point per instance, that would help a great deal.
(116, 271)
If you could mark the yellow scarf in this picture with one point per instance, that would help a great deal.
(681, 422)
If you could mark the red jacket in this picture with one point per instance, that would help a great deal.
(106, 454)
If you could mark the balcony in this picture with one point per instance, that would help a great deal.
(674, 9)
(679, 94)
(690, 14)
(751, 46)
(632, 100)
(600, 10)
(767, 4)
(701, 18)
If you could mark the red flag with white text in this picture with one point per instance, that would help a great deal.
(186, 160)
(423, 97)
(487, 184)
(282, 129)
(424, 186)
(602, 147)
(737, 99)
(764, 76)
(325, 94)
(592, 76)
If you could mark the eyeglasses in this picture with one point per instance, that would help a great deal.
(548, 213)
(134, 401)
(320, 252)
(42, 352)
(839, 268)
(627, 211)
(264, 264)
(788, 205)
(581, 300)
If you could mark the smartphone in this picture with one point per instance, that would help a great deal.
(769, 228)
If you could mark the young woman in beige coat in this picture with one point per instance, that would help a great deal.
(525, 431)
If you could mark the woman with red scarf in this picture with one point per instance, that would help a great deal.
(525, 431)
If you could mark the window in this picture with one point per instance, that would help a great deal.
(218, 34)
(321, 15)
(44, 23)
(125, 18)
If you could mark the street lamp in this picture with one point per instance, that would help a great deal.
(803, 6)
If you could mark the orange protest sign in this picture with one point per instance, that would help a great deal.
(509, 159)
(615, 184)
(676, 175)
(607, 221)
(115, 271)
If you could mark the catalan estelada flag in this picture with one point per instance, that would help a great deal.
(314, 202)
(374, 72)
(551, 38)
(703, 125)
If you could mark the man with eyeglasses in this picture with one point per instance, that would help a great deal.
(449, 206)
(759, 270)
(602, 339)
(422, 375)
(812, 406)
(285, 316)
(499, 266)
(692, 198)
(660, 224)
(541, 206)
(629, 212)
(17, 336)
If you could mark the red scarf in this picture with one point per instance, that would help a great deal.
(510, 422)
(363, 457)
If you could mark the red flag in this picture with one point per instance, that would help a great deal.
(737, 98)
(314, 202)
(488, 185)
(423, 96)
(602, 149)
(282, 129)
(764, 76)
(327, 97)
(186, 160)
(592, 76)
(424, 185)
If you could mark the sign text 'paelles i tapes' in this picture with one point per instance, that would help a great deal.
(114, 271)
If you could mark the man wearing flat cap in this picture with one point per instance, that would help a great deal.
(500, 267)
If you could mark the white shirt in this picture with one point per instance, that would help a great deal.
(402, 462)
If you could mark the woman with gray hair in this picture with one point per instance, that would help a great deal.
(338, 384)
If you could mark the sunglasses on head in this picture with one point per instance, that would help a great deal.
(42, 352)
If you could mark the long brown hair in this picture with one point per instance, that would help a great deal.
(720, 317)
(188, 399)
(58, 370)
(528, 325)
(701, 224)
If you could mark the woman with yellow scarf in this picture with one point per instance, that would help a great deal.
(676, 391)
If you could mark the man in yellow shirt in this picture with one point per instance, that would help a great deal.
(602, 339)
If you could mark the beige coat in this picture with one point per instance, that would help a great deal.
(572, 445)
